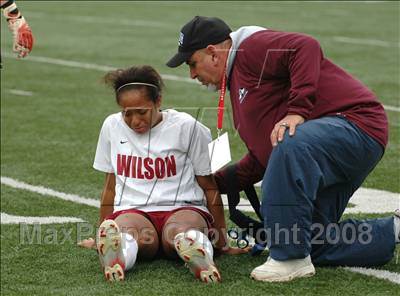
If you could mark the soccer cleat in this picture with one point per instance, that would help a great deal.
(110, 251)
(197, 259)
(283, 271)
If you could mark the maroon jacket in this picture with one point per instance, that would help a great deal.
(279, 73)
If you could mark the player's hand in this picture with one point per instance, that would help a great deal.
(88, 243)
(22, 36)
(289, 122)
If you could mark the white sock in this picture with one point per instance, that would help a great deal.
(200, 237)
(396, 227)
(129, 249)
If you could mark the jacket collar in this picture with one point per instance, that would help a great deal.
(238, 37)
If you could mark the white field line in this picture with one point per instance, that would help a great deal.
(162, 25)
(11, 219)
(371, 42)
(391, 108)
(100, 21)
(20, 92)
(365, 200)
(374, 201)
(393, 277)
(104, 68)
(89, 66)
(50, 192)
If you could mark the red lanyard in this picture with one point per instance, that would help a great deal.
(220, 113)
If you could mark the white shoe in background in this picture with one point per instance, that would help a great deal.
(396, 225)
(283, 271)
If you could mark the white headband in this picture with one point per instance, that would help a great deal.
(136, 83)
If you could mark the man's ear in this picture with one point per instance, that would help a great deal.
(213, 51)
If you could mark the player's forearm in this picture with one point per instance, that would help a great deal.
(107, 197)
(216, 208)
(104, 212)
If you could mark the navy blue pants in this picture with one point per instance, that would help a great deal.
(309, 180)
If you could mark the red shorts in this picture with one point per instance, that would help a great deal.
(158, 218)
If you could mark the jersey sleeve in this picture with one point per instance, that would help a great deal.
(102, 159)
(200, 137)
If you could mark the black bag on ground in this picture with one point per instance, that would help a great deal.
(248, 226)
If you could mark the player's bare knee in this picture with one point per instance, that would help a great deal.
(143, 231)
(148, 236)
(188, 218)
(170, 230)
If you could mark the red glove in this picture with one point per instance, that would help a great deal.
(22, 35)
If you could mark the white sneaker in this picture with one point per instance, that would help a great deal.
(197, 259)
(396, 225)
(397, 213)
(110, 251)
(283, 271)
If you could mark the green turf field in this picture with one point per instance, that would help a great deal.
(49, 138)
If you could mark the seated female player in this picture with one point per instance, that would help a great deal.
(159, 194)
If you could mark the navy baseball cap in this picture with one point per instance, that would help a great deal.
(198, 33)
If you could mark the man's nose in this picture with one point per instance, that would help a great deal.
(193, 73)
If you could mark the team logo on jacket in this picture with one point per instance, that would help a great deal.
(242, 94)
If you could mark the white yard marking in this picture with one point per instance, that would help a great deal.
(11, 219)
(89, 66)
(394, 277)
(178, 78)
(100, 20)
(365, 200)
(374, 201)
(391, 108)
(163, 25)
(359, 41)
(50, 192)
(104, 68)
(20, 92)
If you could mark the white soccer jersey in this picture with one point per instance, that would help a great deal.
(155, 171)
